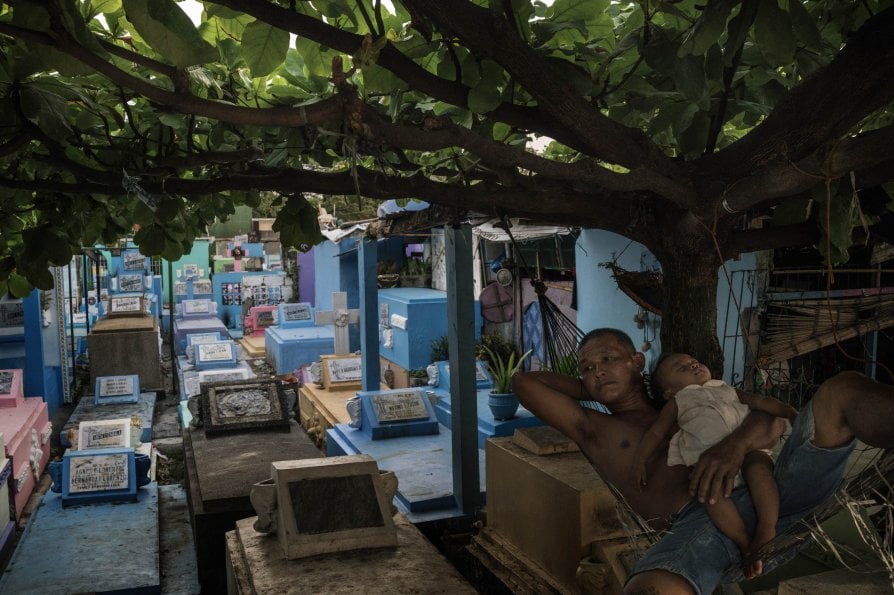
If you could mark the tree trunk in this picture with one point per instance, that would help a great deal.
(689, 306)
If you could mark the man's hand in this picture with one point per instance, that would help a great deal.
(715, 472)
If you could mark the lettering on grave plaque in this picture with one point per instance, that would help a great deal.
(5, 382)
(112, 386)
(190, 270)
(401, 406)
(199, 338)
(353, 496)
(220, 351)
(104, 433)
(98, 473)
(12, 314)
(196, 307)
(125, 305)
(134, 261)
(130, 283)
(295, 312)
(203, 286)
(342, 371)
(247, 405)
(180, 288)
(265, 318)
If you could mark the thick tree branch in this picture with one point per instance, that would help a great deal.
(599, 136)
(822, 108)
(787, 179)
(325, 110)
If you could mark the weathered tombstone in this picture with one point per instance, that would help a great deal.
(397, 413)
(318, 506)
(106, 433)
(130, 283)
(296, 315)
(111, 390)
(140, 413)
(192, 309)
(213, 355)
(220, 471)
(341, 372)
(100, 475)
(241, 406)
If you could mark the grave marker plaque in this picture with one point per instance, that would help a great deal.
(125, 305)
(218, 354)
(342, 371)
(296, 315)
(117, 389)
(12, 316)
(134, 261)
(100, 475)
(190, 271)
(130, 283)
(11, 394)
(399, 406)
(330, 504)
(202, 286)
(106, 433)
(248, 405)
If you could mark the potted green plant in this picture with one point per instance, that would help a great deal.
(416, 273)
(502, 401)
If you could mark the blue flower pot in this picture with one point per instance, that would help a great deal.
(502, 405)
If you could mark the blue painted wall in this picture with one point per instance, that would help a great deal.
(601, 304)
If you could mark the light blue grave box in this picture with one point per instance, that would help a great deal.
(396, 413)
(412, 318)
(199, 338)
(192, 309)
(184, 328)
(289, 348)
(300, 315)
(210, 356)
(111, 390)
(99, 475)
(482, 376)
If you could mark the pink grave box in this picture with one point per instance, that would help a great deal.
(26, 430)
(11, 394)
(259, 319)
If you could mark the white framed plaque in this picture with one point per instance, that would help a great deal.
(342, 371)
(104, 433)
(126, 305)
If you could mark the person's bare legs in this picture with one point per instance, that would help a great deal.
(758, 472)
(851, 404)
(658, 582)
(727, 519)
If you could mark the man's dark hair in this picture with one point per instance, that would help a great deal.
(620, 335)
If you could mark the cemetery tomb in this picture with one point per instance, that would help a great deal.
(321, 409)
(412, 318)
(197, 308)
(296, 342)
(107, 548)
(26, 431)
(219, 473)
(7, 524)
(325, 505)
(342, 372)
(259, 319)
(126, 346)
(570, 512)
(191, 379)
(111, 390)
(255, 564)
(201, 325)
(87, 410)
(487, 425)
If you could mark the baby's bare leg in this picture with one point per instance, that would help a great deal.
(726, 517)
(758, 471)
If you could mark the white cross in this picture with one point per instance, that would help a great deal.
(341, 317)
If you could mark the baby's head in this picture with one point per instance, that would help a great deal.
(675, 371)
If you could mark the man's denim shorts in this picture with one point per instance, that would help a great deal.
(696, 550)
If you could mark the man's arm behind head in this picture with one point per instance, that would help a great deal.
(555, 399)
